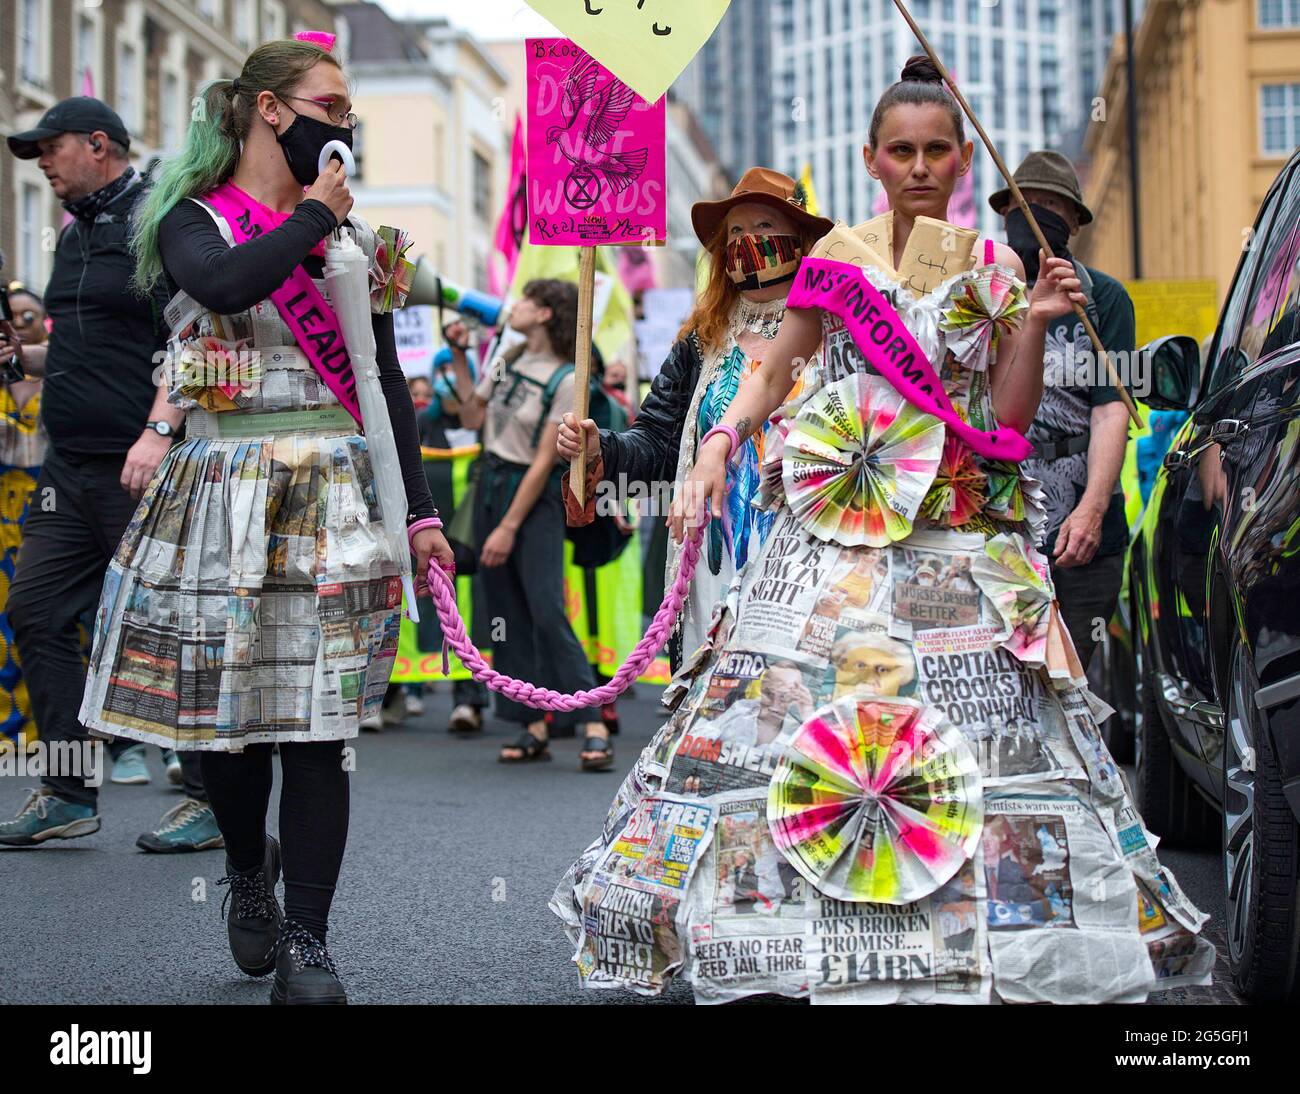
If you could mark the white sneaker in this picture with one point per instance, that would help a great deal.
(465, 719)
(414, 704)
(374, 723)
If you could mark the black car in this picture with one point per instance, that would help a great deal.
(1214, 601)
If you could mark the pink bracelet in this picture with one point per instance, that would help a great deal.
(727, 431)
(420, 525)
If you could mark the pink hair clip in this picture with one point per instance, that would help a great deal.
(321, 38)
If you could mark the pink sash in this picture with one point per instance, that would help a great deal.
(891, 350)
(302, 307)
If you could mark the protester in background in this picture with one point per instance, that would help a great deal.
(469, 697)
(436, 407)
(249, 529)
(109, 426)
(755, 239)
(519, 520)
(22, 450)
(1080, 432)
(616, 384)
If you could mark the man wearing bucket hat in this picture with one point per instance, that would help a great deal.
(1080, 432)
(109, 426)
(754, 240)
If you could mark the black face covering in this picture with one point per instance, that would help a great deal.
(1020, 238)
(302, 143)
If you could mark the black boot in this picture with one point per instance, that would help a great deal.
(254, 921)
(304, 972)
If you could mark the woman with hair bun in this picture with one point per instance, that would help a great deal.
(253, 601)
(934, 820)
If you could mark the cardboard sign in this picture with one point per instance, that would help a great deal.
(647, 43)
(596, 158)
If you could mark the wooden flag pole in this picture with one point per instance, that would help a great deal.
(1024, 205)
(582, 369)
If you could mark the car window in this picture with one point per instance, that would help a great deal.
(1244, 325)
(1276, 313)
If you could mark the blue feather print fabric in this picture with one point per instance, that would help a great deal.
(742, 527)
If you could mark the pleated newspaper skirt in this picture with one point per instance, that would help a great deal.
(253, 598)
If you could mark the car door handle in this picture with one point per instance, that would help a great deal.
(1228, 429)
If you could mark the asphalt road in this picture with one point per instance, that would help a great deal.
(451, 860)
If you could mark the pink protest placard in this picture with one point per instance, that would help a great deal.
(596, 161)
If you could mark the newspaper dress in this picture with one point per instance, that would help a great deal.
(883, 779)
(252, 598)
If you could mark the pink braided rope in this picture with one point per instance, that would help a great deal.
(443, 590)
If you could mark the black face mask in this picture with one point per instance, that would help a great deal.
(302, 143)
(1020, 238)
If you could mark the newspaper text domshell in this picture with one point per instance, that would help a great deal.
(877, 800)
(858, 461)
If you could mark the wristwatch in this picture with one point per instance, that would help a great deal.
(163, 429)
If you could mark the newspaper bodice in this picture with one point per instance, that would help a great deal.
(247, 361)
(959, 325)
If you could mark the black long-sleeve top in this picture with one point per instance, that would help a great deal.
(648, 450)
(229, 280)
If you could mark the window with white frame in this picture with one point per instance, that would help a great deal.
(1277, 14)
(1279, 118)
(128, 80)
(272, 21)
(30, 267)
(87, 53)
(34, 43)
(210, 10)
(243, 23)
(169, 109)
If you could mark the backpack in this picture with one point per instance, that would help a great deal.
(601, 541)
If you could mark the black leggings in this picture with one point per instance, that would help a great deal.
(313, 818)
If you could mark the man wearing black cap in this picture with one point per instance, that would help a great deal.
(1080, 432)
(109, 426)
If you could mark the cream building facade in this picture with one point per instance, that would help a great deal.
(432, 152)
(1218, 117)
(145, 58)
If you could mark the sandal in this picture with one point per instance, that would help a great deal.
(530, 746)
(604, 761)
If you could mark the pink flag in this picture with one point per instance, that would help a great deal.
(596, 155)
(636, 269)
(513, 220)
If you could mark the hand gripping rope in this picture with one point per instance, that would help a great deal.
(443, 590)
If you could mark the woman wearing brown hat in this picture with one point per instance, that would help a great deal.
(755, 239)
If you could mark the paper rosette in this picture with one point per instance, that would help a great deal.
(859, 459)
(958, 490)
(1015, 578)
(391, 273)
(876, 799)
(979, 310)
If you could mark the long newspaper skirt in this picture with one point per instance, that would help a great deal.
(876, 788)
(252, 599)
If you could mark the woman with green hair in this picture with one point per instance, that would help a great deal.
(254, 600)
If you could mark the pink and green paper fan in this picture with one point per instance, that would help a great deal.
(876, 799)
(979, 311)
(959, 485)
(858, 461)
(1016, 579)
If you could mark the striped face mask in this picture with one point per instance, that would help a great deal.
(757, 261)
